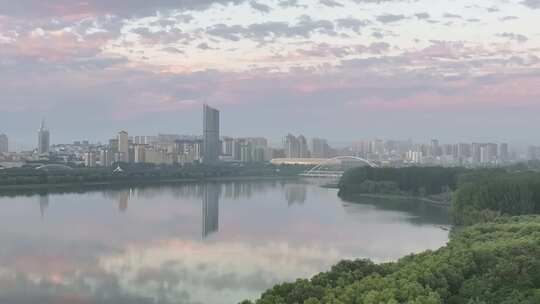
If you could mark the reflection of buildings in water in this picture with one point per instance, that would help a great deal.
(210, 209)
(122, 197)
(231, 189)
(123, 200)
(295, 194)
(43, 204)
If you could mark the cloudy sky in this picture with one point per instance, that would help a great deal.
(341, 69)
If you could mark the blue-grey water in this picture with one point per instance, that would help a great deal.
(198, 243)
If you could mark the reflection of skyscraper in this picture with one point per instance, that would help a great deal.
(43, 204)
(296, 194)
(210, 210)
(123, 200)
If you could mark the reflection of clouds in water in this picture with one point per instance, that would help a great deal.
(154, 252)
(49, 271)
(215, 273)
(164, 272)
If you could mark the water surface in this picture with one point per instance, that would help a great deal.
(197, 243)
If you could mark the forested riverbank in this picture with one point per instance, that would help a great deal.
(29, 179)
(493, 259)
(420, 182)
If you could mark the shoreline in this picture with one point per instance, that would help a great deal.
(20, 189)
(400, 197)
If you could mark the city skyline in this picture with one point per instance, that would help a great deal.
(16, 146)
(215, 150)
(387, 69)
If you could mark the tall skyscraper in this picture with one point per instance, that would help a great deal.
(504, 156)
(123, 146)
(211, 146)
(43, 139)
(4, 143)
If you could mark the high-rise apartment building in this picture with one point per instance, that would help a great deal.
(434, 148)
(533, 153)
(4, 143)
(123, 146)
(464, 151)
(476, 153)
(493, 152)
(227, 146)
(319, 148)
(304, 150)
(189, 150)
(105, 158)
(211, 147)
(90, 159)
(291, 146)
(43, 139)
(295, 147)
(139, 153)
(504, 155)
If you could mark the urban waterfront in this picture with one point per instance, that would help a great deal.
(195, 243)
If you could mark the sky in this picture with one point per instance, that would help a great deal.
(339, 69)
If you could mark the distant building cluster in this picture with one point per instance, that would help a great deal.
(161, 149)
(212, 148)
(434, 153)
(297, 147)
(4, 143)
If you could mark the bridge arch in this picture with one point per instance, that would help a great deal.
(317, 172)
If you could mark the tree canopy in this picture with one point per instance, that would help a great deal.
(494, 258)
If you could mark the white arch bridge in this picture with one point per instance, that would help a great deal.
(335, 167)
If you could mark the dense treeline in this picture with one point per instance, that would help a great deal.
(490, 263)
(408, 180)
(499, 193)
(138, 173)
(494, 261)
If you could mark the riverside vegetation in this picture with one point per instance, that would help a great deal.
(493, 258)
(29, 178)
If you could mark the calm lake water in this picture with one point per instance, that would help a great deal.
(198, 243)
